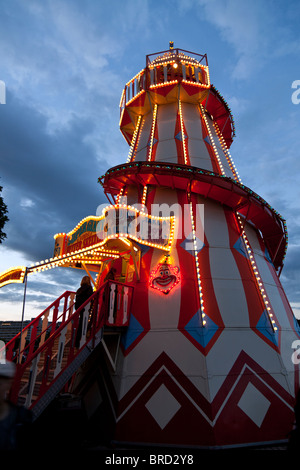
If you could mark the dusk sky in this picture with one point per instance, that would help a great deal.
(64, 64)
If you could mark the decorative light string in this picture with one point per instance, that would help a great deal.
(212, 141)
(119, 195)
(97, 250)
(134, 139)
(144, 197)
(199, 85)
(15, 275)
(170, 219)
(78, 255)
(137, 76)
(207, 74)
(138, 139)
(197, 266)
(165, 62)
(182, 134)
(152, 132)
(159, 85)
(255, 270)
(171, 58)
(122, 103)
(134, 97)
(130, 84)
(227, 153)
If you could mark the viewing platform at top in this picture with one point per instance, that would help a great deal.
(165, 71)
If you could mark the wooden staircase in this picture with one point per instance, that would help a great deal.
(49, 351)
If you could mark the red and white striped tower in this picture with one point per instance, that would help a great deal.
(207, 357)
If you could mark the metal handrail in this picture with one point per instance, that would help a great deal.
(45, 364)
(11, 347)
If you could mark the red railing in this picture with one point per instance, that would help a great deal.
(23, 345)
(48, 354)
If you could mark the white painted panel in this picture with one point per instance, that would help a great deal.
(166, 118)
(199, 155)
(228, 286)
(198, 152)
(229, 346)
(191, 117)
(166, 147)
(141, 154)
(166, 151)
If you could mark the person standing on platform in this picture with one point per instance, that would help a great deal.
(110, 276)
(83, 293)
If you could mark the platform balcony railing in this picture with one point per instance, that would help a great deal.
(175, 67)
(177, 54)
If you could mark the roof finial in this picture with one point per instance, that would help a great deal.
(171, 43)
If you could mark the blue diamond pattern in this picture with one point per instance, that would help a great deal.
(203, 335)
(133, 332)
(188, 245)
(268, 257)
(240, 247)
(154, 142)
(263, 325)
(179, 136)
(296, 326)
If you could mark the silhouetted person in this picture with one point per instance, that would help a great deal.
(83, 293)
(110, 276)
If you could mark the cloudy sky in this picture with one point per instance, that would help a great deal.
(64, 64)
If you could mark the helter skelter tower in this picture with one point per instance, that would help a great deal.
(206, 360)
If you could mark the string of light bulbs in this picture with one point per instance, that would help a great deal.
(203, 321)
(227, 153)
(259, 282)
(212, 141)
(134, 139)
(152, 133)
(182, 134)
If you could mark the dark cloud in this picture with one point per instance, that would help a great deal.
(49, 180)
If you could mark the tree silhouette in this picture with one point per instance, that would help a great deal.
(3, 217)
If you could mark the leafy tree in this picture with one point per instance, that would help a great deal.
(3, 217)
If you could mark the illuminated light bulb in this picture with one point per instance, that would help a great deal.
(175, 65)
